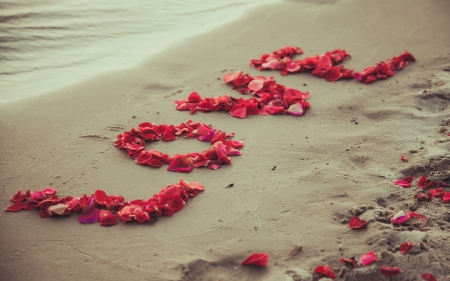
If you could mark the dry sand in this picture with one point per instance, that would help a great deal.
(340, 157)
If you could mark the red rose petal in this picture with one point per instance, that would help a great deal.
(428, 277)
(19, 197)
(390, 271)
(239, 111)
(257, 259)
(403, 158)
(181, 164)
(101, 198)
(446, 197)
(402, 183)
(408, 179)
(107, 218)
(422, 197)
(423, 183)
(334, 74)
(256, 85)
(350, 261)
(368, 258)
(406, 246)
(296, 109)
(423, 220)
(325, 270)
(230, 77)
(357, 223)
(89, 215)
(16, 207)
(438, 192)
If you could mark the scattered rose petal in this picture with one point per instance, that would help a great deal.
(408, 179)
(422, 197)
(406, 246)
(418, 220)
(257, 259)
(402, 183)
(368, 258)
(357, 223)
(390, 271)
(403, 158)
(350, 261)
(423, 183)
(325, 270)
(446, 197)
(399, 218)
(438, 192)
(428, 277)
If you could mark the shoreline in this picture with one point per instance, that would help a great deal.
(127, 51)
(327, 167)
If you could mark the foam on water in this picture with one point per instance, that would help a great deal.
(49, 44)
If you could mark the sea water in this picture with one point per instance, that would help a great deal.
(49, 44)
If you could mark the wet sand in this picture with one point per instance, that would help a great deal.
(338, 160)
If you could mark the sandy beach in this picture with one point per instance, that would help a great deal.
(295, 187)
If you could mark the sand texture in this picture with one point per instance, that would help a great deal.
(298, 182)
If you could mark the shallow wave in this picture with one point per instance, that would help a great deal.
(37, 37)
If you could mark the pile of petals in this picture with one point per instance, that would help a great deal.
(268, 98)
(222, 146)
(323, 66)
(423, 183)
(384, 69)
(104, 208)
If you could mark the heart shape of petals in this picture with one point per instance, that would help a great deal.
(134, 142)
(390, 271)
(325, 270)
(368, 258)
(257, 259)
